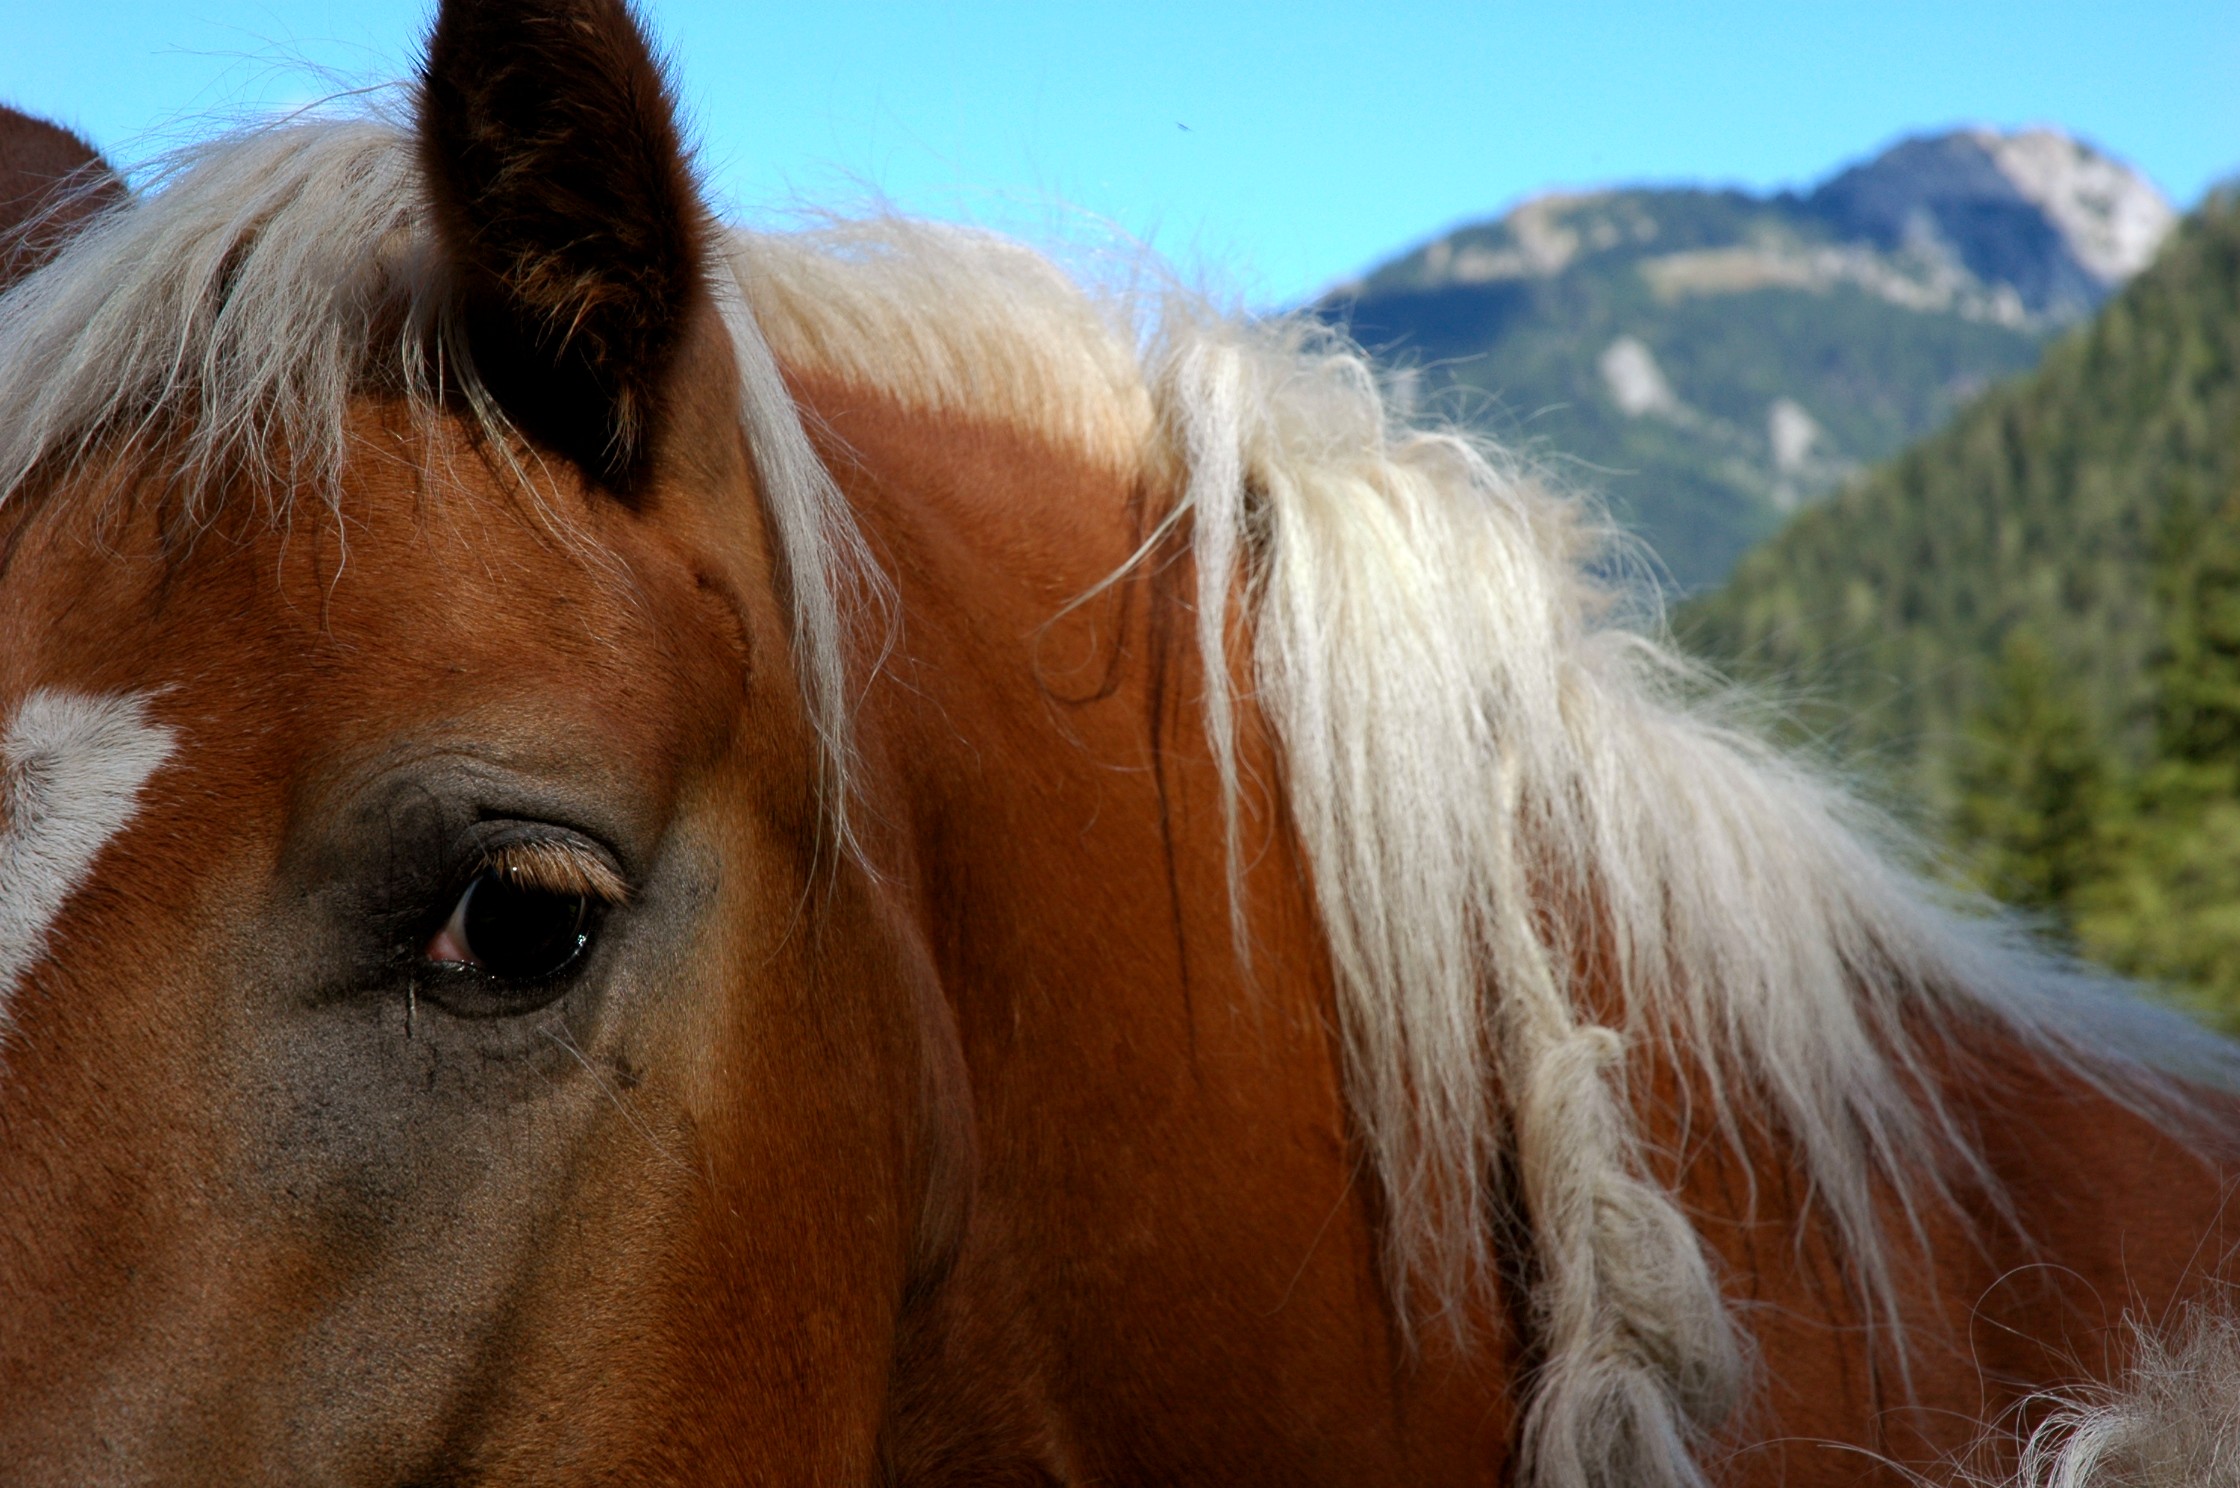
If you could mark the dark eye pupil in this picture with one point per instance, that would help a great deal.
(519, 934)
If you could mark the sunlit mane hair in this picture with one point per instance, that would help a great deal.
(1505, 793)
(1541, 862)
(224, 319)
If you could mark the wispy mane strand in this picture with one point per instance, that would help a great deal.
(229, 311)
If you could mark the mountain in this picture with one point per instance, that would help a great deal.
(2057, 507)
(1711, 361)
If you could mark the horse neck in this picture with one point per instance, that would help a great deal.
(1051, 812)
(1159, 1121)
(2085, 1220)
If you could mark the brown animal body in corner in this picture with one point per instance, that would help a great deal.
(636, 852)
(50, 183)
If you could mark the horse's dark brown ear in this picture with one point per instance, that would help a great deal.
(50, 182)
(564, 203)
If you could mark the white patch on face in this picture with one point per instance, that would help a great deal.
(71, 768)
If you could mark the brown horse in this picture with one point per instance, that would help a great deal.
(636, 852)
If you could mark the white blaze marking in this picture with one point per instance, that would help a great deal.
(71, 768)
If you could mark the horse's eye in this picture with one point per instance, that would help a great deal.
(513, 931)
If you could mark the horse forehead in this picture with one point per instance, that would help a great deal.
(300, 639)
(73, 766)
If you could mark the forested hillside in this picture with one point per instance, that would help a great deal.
(2030, 624)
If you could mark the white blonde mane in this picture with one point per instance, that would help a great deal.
(236, 308)
(1498, 787)
(2169, 1423)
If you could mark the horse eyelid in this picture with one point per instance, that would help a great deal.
(557, 866)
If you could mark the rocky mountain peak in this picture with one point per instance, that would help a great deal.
(2112, 218)
(2049, 215)
(1721, 358)
(2027, 224)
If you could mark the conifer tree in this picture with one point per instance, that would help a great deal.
(2035, 786)
(2166, 904)
(2196, 663)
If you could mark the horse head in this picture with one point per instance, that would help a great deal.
(441, 1034)
(1257, 976)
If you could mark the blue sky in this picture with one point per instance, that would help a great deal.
(1318, 138)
